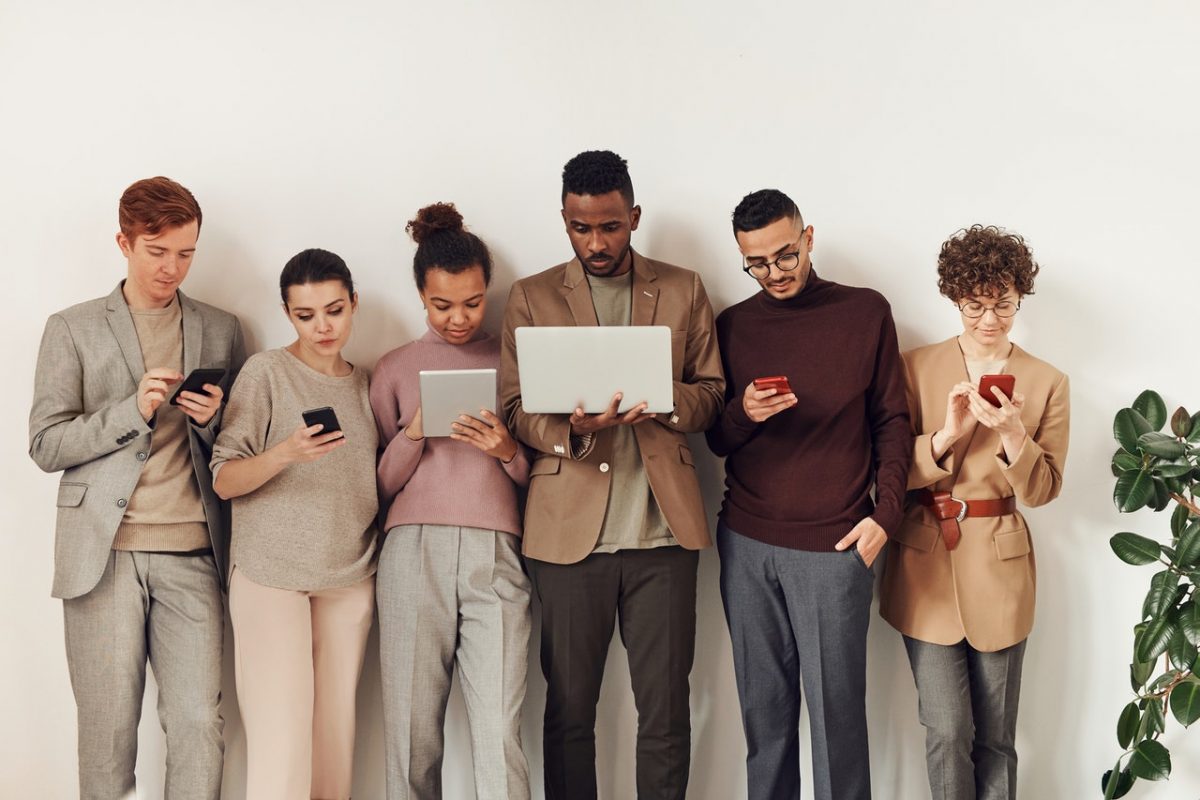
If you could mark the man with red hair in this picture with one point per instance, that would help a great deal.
(141, 537)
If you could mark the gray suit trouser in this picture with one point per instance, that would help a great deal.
(166, 608)
(968, 705)
(799, 618)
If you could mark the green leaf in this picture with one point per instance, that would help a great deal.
(1162, 495)
(1153, 721)
(1120, 787)
(1125, 462)
(1139, 673)
(1173, 469)
(1189, 621)
(1150, 760)
(1161, 445)
(1133, 490)
(1187, 553)
(1181, 652)
(1179, 520)
(1185, 701)
(1127, 725)
(1194, 435)
(1154, 640)
(1134, 549)
(1128, 425)
(1181, 423)
(1161, 596)
(1151, 406)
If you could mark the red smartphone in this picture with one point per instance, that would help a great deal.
(1006, 383)
(777, 382)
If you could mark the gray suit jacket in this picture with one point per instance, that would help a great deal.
(85, 423)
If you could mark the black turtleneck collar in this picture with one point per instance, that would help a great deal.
(814, 292)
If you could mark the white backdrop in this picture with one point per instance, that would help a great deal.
(306, 124)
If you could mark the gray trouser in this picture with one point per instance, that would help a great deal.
(799, 618)
(447, 596)
(168, 608)
(968, 705)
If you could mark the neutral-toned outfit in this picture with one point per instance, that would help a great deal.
(303, 564)
(609, 535)
(966, 612)
(797, 483)
(451, 588)
(141, 536)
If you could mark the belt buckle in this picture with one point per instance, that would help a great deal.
(962, 514)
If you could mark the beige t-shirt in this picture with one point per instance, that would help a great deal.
(312, 526)
(165, 511)
(632, 520)
(977, 368)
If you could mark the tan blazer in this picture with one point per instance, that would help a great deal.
(984, 589)
(568, 498)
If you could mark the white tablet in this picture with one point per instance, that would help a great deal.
(447, 393)
(565, 368)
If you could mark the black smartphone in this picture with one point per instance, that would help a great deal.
(195, 381)
(322, 416)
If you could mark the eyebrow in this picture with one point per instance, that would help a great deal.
(327, 305)
(787, 248)
(448, 300)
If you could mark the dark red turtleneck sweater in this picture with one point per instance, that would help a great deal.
(802, 479)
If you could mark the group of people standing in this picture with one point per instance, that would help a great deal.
(858, 446)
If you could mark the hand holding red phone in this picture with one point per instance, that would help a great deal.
(766, 397)
(1005, 419)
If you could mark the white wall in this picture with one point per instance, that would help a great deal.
(892, 124)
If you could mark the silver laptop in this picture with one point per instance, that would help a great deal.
(447, 393)
(565, 368)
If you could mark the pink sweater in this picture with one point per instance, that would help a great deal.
(439, 481)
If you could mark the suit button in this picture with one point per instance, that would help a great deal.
(604, 466)
(122, 503)
(141, 456)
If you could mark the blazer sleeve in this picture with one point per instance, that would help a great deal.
(62, 433)
(234, 360)
(700, 396)
(1036, 473)
(733, 427)
(546, 433)
(924, 471)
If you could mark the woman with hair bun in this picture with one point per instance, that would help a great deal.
(451, 586)
(960, 584)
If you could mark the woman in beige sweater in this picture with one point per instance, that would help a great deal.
(302, 586)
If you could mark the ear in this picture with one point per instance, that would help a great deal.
(566, 222)
(808, 238)
(286, 313)
(635, 216)
(354, 302)
(124, 243)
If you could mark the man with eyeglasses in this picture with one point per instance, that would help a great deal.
(799, 532)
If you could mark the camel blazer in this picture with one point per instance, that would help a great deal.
(983, 590)
(568, 498)
(85, 423)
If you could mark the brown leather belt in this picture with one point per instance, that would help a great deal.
(950, 511)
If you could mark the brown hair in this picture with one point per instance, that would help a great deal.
(985, 261)
(443, 243)
(154, 204)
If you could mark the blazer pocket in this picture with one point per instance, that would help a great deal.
(71, 494)
(545, 465)
(1012, 544)
(685, 455)
(917, 535)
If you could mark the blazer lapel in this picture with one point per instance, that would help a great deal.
(579, 295)
(193, 333)
(121, 323)
(645, 292)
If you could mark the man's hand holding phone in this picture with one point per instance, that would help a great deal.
(583, 424)
(766, 397)
(153, 389)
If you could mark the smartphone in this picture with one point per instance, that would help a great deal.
(195, 381)
(1007, 384)
(777, 382)
(322, 416)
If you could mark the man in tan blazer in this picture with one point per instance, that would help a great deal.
(141, 538)
(614, 516)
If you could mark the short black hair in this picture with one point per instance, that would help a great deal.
(759, 209)
(443, 243)
(595, 172)
(314, 266)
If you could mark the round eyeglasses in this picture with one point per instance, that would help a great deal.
(760, 271)
(1005, 308)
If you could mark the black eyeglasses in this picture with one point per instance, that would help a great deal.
(785, 263)
(1005, 309)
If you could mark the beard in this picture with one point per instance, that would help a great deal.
(609, 268)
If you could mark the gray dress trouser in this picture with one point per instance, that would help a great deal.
(799, 618)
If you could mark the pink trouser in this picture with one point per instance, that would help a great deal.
(297, 659)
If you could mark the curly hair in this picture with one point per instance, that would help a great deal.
(985, 260)
(443, 243)
(595, 172)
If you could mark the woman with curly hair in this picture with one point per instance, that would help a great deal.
(960, 585)
(452, 590)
